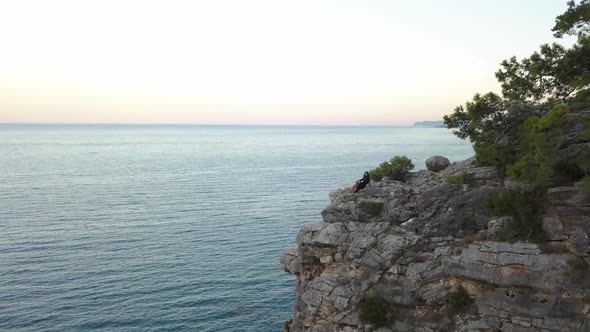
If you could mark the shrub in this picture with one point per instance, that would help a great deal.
(583, 161)
(578, 271)
(463, 178)
(377, 173)
(586, 184)
(547, 248)
(525, 224)
(287, 325)
(567, 170)
(468, 224)
(538, 153)
(499, 156)
(372, 208)
(460, 302)
(376, 311)
(398, 169)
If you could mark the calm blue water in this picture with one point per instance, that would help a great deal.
(154, 228)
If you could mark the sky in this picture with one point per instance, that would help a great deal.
(304, 62)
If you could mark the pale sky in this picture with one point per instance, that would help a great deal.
(321, 62)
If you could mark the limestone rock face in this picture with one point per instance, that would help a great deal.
(414, 243)
(437, 163)
(574, 141)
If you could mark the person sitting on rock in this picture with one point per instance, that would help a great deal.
(360, 184)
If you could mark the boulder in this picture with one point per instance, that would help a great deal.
(437, 163)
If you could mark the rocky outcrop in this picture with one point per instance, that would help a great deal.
(414, 243)
(437, 163)
(575, 139)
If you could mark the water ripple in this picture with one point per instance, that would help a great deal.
(170, 228)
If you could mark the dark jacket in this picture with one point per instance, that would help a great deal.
(364, 181)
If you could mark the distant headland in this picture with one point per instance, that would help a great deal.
(429, 124)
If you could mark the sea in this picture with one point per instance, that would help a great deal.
(172, 227)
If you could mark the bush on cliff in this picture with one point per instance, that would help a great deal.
(578, 271)
(372, 208)
(538, 156)
(460, 302)
(549, 249)
(526, 224)
(586, 185)
(463, 178)
(583, 161)
(398, 169)
(376, 311)
(287, 325)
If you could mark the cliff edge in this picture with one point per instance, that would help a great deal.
(431, 252)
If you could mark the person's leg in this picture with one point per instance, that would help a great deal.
(355, 188)
(361, 186)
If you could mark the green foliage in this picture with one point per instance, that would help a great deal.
(580, 102)
(516, 133)
(586, 184)
(373, 208)
(398, 169)
(537, 77)
(287, 325)
(550, 75)
(583, 161)
(568, 168)
(496, 154)
(526, 225)
(459, 302)
(468, 224)
(477, 117)
(378, 173)
(575, 65)
(578, 271)
(538, 151)
(574, 68)
(574, 21)
(586, 121)
(463, 178)
(491, 124)
(376, 311)
(519, 143)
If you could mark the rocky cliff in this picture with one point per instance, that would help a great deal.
(414, 245)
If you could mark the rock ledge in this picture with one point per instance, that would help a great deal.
(429, 238)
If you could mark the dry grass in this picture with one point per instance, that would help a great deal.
(468, 239)
(547, 248)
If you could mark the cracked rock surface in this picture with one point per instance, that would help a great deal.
(413, 243)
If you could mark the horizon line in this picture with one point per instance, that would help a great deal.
(210, 124)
